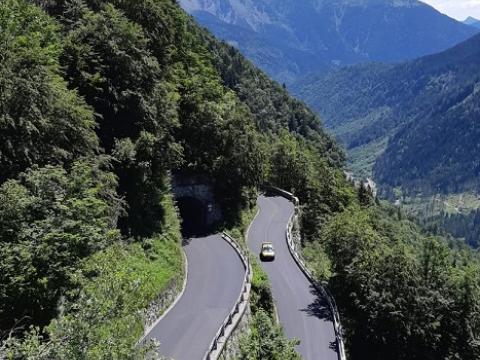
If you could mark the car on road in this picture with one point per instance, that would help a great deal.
(267, 253)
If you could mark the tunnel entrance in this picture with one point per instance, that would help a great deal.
(194, 216)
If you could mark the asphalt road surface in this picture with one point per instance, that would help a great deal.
(303, 313)
(214, 282)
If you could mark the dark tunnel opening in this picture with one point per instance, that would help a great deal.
(194, 217)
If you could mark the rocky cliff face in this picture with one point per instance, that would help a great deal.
(291, 38)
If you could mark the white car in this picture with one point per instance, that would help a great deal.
(267, 253)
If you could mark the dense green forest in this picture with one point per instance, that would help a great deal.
(454, 216)
(466, 226)
(403, 295)
(100, 103)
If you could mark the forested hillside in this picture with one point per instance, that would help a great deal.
(289, 39)
(101, 102)
(413, 127)
(423, 113)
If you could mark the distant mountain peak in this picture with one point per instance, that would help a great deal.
(291, 38)
(470, 20)
(240, 12)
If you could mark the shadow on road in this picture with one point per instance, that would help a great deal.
(319, 308)
(334, 346)
(187, 240)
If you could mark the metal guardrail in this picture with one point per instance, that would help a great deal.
(319, 286)
(231, 322)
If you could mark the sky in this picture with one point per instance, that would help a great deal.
(458, 9)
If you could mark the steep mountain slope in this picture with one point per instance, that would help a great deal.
(424, 113)
(292, 38)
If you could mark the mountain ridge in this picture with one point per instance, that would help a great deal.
(471, 21)
(291, 39)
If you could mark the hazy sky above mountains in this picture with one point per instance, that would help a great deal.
(458, 9)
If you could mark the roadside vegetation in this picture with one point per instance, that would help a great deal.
(402, 293)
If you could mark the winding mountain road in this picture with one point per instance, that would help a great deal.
(303, 313)
(214, 282)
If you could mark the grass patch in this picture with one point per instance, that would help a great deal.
(431, 205)
(128, 279)
(362, 159)
(118, 284)
(261, 294)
